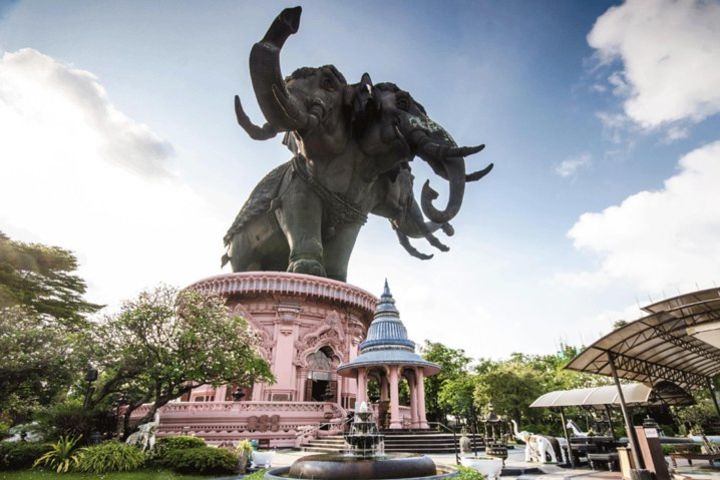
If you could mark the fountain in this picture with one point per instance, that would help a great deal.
(364, 459)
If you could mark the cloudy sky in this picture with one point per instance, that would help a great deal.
(118, 141)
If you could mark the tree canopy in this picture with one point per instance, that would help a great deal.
(43, 279)
(43, 317)
(465, 388)
(165, 342)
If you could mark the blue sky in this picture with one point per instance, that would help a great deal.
(575, 122)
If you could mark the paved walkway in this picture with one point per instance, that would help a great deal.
(284, 458)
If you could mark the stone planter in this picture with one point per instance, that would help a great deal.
(488, 466)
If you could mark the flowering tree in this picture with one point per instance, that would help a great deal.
(39, 361)
(165, 342)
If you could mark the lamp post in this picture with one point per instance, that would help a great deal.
(238, 395)
(90, 377)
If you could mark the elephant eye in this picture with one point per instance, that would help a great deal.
(403, 103)
(327, 83)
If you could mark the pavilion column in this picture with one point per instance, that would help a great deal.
(339, 390)
(413, 402)
(422, 419)
(384, 388)
(361, 387)
(394, 398)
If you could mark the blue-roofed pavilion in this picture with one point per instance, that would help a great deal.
(388, 355)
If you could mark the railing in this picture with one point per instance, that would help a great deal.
(314, 429)
(249, 406)
(455, 441)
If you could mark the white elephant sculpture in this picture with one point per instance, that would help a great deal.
(575, 429)
(537, 447)
(144, 437)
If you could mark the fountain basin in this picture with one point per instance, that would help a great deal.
(341, 467)
(488, 466)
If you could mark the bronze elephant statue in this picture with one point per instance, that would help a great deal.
(352, 145)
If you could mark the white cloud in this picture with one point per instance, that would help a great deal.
(570, 166)
(676, 133)
(615, 126)
(671, 58)
(76, 172)
(659, 239)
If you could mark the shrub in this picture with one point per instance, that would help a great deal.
(259, 475)
(111, 457)
(202, 460)
(62, 456)
(180, 442)
(467, 473)
(71, 419)
(20, 455)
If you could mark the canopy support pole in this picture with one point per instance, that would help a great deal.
(567, 437)
(608, 412)
(713, 395)
(634, 449)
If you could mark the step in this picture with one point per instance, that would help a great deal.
(320, 450)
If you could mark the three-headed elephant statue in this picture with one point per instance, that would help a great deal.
(352, 145)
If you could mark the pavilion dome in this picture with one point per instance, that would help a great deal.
(387, 342)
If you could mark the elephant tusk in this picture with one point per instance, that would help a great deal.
(405, 242)
(435, 242)
(443, 151)
(475, 176)
(447, 229)
(256, 133)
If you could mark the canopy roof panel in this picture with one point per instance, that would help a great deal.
(635, 394)
(674, 343)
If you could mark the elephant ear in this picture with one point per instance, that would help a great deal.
(362, 105)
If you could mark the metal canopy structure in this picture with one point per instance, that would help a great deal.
(678, 341)
(600, 397)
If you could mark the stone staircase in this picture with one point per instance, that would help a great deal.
(328, 444)
(414, 441)
(426, 441)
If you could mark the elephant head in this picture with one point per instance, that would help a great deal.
(401, 116)
(313, 104)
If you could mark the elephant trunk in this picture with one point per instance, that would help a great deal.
(455, 170)
(446, 159)
(280, 108)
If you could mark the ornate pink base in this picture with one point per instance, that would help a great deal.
(308, 326)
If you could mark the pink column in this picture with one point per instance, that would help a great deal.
(339, 390)
(384, 390)
(361, 387)
(413, 402)
(220, 393)
(394, 398)
(422, 419)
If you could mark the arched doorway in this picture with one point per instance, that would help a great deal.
(321, 383)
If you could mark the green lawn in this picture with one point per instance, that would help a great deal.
(139, 475)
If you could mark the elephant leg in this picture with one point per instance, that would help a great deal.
(300, 219)
(338, 248)
(242, 255)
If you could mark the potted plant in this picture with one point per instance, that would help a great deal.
(244, 450)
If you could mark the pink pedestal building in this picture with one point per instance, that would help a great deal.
(309, 326)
